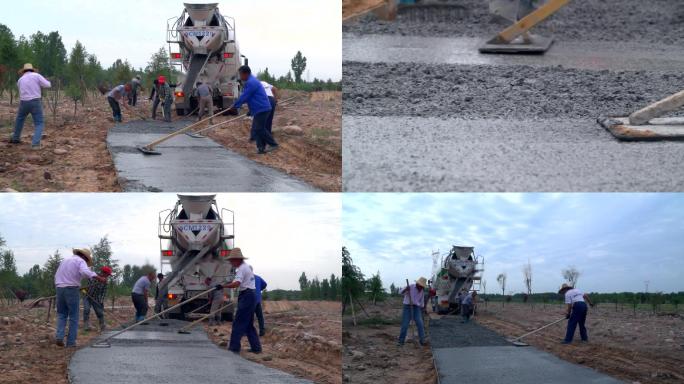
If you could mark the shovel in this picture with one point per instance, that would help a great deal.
(519, 343)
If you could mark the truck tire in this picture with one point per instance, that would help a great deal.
(180, 111)
(177, 316)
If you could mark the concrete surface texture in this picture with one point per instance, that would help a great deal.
(424, 111)
(189, 164)
(433, 154)
(471, 353)
(157, 354)
(510, 364)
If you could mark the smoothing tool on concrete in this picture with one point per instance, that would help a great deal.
(105, 342)
(186, 329)
(149, 148)
(519, 343)
(647, 124)
(516, 38)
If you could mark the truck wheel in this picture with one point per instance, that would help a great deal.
(227, 316)
(177, 316)
(180, 111)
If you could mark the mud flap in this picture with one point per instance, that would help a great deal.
(659, 129)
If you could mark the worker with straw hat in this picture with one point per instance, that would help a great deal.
(67, 282)
(413, 307)
(243, 324)
(576, 312)
(30, 84)
(93, 296)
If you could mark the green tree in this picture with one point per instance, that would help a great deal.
(103, 256)
(159, 64)
(9, 59)
(121, 72)
(49, 53)
(375, 290)
(47, 281)
(352, 279)
(298, 65)
(393, 289)
(303, 282)
(76, 74)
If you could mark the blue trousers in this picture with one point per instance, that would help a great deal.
(68, 300)
(116, 109)
(259, 131)
(35, 108)
(577, 317)
(140, 304)
(269, 121)
(243, 324)
(412, 312)
(259, 312)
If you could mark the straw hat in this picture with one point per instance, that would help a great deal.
(564, 288)
(27, 67)
(422, 282)
(235, 254)
(85, 252)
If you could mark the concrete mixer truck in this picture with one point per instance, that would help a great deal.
(195, 238)
(203, 48)
(458, 273)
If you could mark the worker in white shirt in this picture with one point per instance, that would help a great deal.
(272, 93)
(576, 312)
(243, 324)
(30, 84)
(68, 282)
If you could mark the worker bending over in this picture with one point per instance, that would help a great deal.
(576, 312)
(93, 296)
(116, 98)
(67, 282)
(243, 324)
(206, 101)
(260, 285)
(216, 301)
(161, 300)
(468, 301)
(139, 295)
(272, 94)
(254, 95)
(165, 97)
(414, 306)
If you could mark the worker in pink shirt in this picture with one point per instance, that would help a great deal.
(30, 84)
(68, 283)
(414, 305)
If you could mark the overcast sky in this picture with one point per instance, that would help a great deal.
(617, 241)
(270, 32)
(282, 234)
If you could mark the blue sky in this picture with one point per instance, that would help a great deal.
(617, 241)
(269, 31)
(282, 234)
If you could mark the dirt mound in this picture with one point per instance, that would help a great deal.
(302, 338)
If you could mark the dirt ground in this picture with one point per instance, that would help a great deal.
(639, 348)
(74, 156)
(371, 353)
(313, 154)
(302, 338)
(28, 354)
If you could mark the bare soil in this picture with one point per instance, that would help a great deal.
(635, 347)
(302, 338)
(28, 354)
(371, 353)
(74, 156)
(314, 156)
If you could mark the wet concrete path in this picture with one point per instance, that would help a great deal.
(432, 154)
(189, 164)
(155, 354)
(604, 55)
(469, 352)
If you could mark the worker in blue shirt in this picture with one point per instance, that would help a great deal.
(254, 95)
(259, 312)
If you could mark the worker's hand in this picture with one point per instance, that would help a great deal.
(84, 291)
(218, 287)
(101, 279)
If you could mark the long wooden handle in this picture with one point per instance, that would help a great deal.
(180, 131)
(157, 315)
(205, 316)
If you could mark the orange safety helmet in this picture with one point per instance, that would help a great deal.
(162, 79)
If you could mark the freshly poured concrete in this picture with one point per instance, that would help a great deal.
(189, 164)
(510, 364)
(433, 154)
(155, 354)
(613, 56)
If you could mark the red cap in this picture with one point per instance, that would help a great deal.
(161, 79)
(106, 270)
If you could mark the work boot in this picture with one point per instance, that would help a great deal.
(261, 151)
(86, 325)
(60, 343)
(35, 147)
(13, 141)
(103, 325)
(262, 332)
(271, 148)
